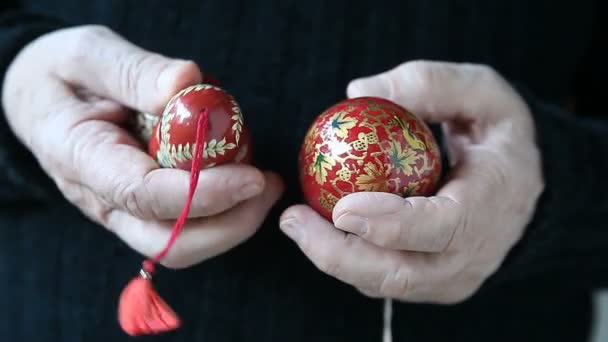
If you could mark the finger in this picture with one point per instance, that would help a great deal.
(351, 259)
(110, 66)
(475, 180)
(56, 103)
(438, 91)
(105, 158)
(201, 238)
(218, 189)
(422, 224)
(117, 170)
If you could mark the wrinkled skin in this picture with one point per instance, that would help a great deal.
(66, 96)
(437, 249)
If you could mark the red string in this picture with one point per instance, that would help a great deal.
(201, 133)
(141, 310)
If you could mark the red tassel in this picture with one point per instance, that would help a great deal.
(141, 311)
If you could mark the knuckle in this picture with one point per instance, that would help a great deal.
(392, 82)
(408, 204)
(501, 179)
(486, 73)
(154, 207)
(217, 185)
(384, 233)
(371, 197)
(226, 181)
(496, 176)
(129, 198)
(328, 263)
(129, 70)
(423, 73)
(402, 232)
(83, 40)
(445, 231)
(402, 227)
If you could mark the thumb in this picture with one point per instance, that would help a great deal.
(109, 66)
(437, 91)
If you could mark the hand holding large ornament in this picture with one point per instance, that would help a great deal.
(367, 144)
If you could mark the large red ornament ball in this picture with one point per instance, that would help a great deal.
(173, 137)
(367, 144)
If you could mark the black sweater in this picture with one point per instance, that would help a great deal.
(285, 61)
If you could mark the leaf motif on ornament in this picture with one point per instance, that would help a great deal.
(322, 163)
(237, 116)
(184, 152)
(188, 90)
(402, 161)
(340, 123)
(373, 179)
(200, 87)
(169, 155)
(165, 127)
(214, 147)
(164, 156)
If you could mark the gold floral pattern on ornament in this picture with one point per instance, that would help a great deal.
(366, 144)
(170, 154)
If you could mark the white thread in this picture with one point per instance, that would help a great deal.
(387, 335)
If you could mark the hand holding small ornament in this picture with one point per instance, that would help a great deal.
(427, 247)
(73, 122)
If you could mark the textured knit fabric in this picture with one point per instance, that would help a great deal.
(285, 61)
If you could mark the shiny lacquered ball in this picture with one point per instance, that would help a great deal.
(173, 138)
(367, 144)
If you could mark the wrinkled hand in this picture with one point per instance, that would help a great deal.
(437, 249)
(66, 96)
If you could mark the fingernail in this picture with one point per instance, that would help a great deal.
(352, 223)
(168, 75)
(292, 228)
(247, 191)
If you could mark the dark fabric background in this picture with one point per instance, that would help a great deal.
(286, 61)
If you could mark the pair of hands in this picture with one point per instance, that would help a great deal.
(67, 94)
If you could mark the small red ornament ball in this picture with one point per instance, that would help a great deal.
(174, 136)
(367, 144)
